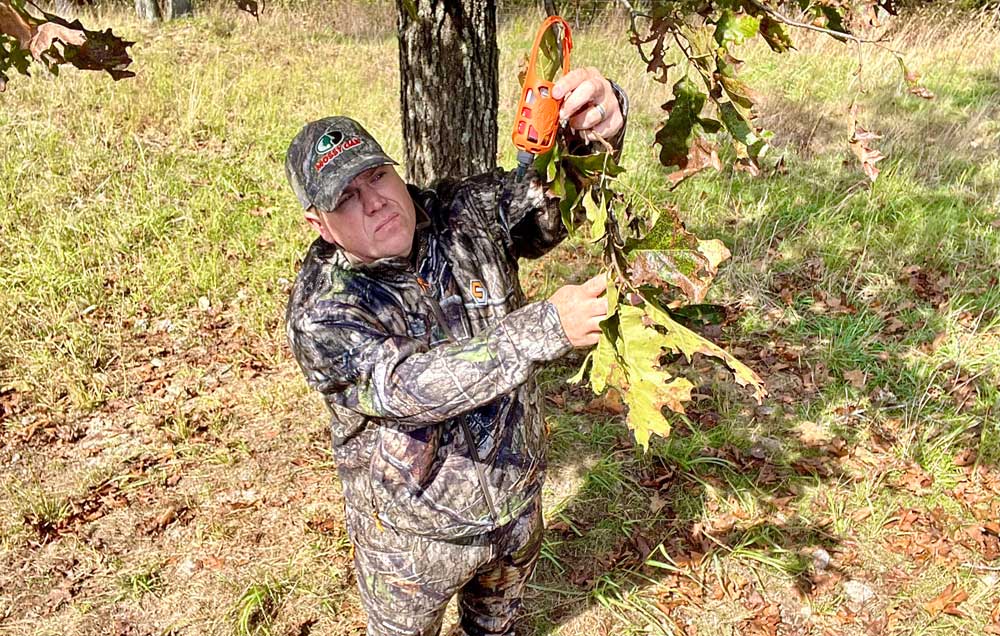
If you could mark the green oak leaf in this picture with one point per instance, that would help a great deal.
(649, 388)
(775, 35)
(753, 143)
(628, 356)
(597, 214)
(734, 29)
(670, 255)
(834, 19)
(677, 132)
(680, 339)
(594, 165)
(702, 46)
(736, 89)
(550, 57)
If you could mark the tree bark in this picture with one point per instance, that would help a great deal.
(448, 61)
(180, 9)
(148, 10)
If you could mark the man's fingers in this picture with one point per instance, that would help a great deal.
(595, 324)
(590, 116)
(596, 285)
(568, 82)
(579, 99)
(610, 126)
(597, 308)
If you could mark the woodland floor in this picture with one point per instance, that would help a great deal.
(164, 469)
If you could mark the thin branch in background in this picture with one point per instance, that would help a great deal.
(810, 27)
(632, 15)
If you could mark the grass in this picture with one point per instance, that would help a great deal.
(146, 248)
(257, 606)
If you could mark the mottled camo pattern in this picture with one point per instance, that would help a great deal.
(396, 376)
(406, 581)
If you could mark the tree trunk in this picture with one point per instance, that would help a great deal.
(148, 10)
(180, 9)
(448, 60)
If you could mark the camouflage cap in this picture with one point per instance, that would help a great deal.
(326, 155)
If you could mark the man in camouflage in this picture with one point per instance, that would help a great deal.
(408, 317)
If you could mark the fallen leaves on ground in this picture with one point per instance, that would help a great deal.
(947, 602)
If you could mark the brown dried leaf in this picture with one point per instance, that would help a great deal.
(912, 79)
(48, 34)
(99, 51)
(859, 143)
(656, 503)
(701, 155)
(856, 378)
(164, 519)
(610, 402)
(251, 7)
(946, 602)
(13, 24)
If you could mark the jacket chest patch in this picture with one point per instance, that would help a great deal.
(477, 290)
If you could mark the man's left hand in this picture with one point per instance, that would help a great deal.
(589, 104)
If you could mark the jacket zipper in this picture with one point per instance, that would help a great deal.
(462, 419)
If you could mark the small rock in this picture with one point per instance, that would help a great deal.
(858, 592)
(820, 560)
(765, 448)
(187, 567)
(204, 303)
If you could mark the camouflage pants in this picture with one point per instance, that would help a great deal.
(406, 581)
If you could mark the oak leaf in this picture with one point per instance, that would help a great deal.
(946, 602)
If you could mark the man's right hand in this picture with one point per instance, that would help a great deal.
(581, 308)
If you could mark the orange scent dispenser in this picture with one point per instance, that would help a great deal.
(536, 121)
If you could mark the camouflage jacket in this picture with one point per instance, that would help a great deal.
(427, 363)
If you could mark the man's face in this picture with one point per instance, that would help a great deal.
(373, 219)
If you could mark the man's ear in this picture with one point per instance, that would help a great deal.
(312, 217)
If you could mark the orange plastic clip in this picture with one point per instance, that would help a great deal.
(537, 118)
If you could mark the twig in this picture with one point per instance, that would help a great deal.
(983, 568)
(631, 10)
(812, 27)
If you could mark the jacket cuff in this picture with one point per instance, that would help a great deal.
(537, 332)
(619, 139)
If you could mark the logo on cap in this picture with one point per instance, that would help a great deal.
(330, 145)
(329, 139)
